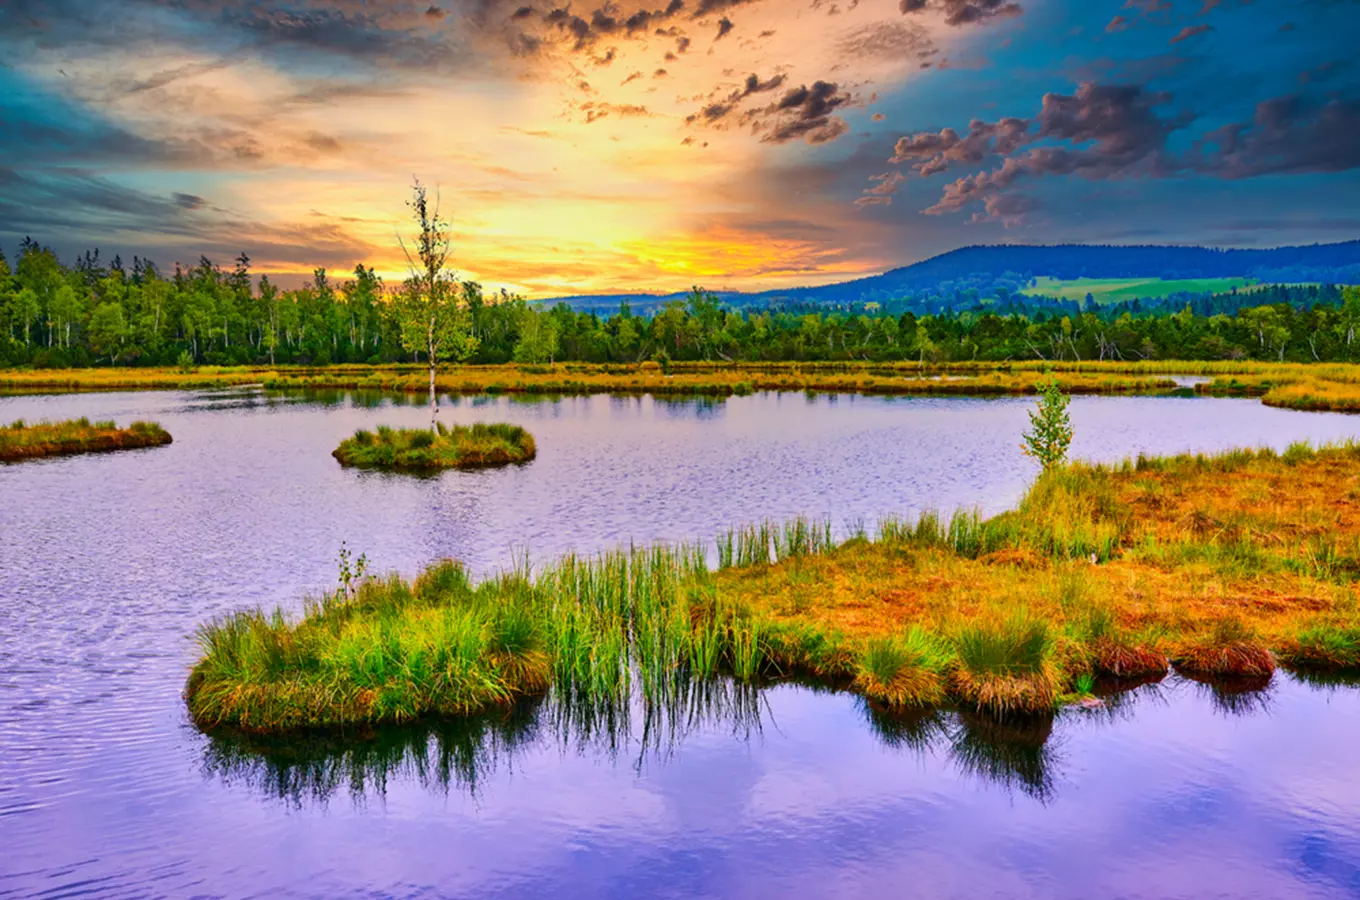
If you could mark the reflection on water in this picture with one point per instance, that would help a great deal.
(109, 562)
(1020, 754)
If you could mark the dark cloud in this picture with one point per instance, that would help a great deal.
(74, 211)
(1190, 31)
(931, 153)
(1287, 135)
(964, 12)
(358, 35)
(65, 200)
(169, 76)
(1011, 210)
(1115, 131)
(721, 108)
(804, 113)
(585, 28)
(725, 27)
(1108, 131)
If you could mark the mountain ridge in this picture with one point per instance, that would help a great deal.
(1337, 262)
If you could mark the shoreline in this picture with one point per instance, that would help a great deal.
(1125, 572)
(1318, 387)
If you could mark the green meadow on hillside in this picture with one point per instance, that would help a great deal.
(1116, 290)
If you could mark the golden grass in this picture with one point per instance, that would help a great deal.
(20, 440)
(1304, 386)
(1220, 564)
(683, 379)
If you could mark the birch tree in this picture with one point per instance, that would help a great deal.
(430, 310)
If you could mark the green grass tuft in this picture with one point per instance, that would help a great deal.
(418, 449)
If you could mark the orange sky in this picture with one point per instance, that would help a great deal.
(579, 167)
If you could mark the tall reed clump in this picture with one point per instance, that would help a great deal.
(766, 542)
(20, 440)
(387, 651)
(904, 670)
(1007, 667)
(460, 447)
(966, 533)
(391, 651)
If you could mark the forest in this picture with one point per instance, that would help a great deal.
(91, 313)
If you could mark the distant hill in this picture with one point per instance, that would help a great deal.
(987, 266)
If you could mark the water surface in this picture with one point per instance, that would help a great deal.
(107, 564)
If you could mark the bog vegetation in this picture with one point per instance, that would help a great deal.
(1101, 575)
(460, 447)
(19, 440)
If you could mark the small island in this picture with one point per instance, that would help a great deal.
(20, 440)
(418, 449)
(1102, 578)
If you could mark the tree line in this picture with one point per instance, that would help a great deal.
(91, 313)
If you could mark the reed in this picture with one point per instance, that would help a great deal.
(476, 446)
(20, 440)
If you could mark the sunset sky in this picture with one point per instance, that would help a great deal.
(654, 144)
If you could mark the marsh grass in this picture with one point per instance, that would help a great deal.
(395, 651)
(1008, 667)
(419, 449)
(1103, 575)
(1303, 386)
(1229, 649)
(1116, 653)
(1325, 646)
(683, 379)
(905, 670)
(20, 440)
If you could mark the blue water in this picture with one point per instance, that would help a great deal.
(109, 562)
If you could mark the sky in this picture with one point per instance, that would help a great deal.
(651, 145)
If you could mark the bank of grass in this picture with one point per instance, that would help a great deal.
(1221, 566)
(682, 379)
(475, 446)
(20, 440)
(1304, 386)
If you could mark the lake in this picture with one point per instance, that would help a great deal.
(109, 562)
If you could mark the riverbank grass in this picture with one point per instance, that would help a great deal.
(19, 440)
(1221, 566)
(420, 449)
